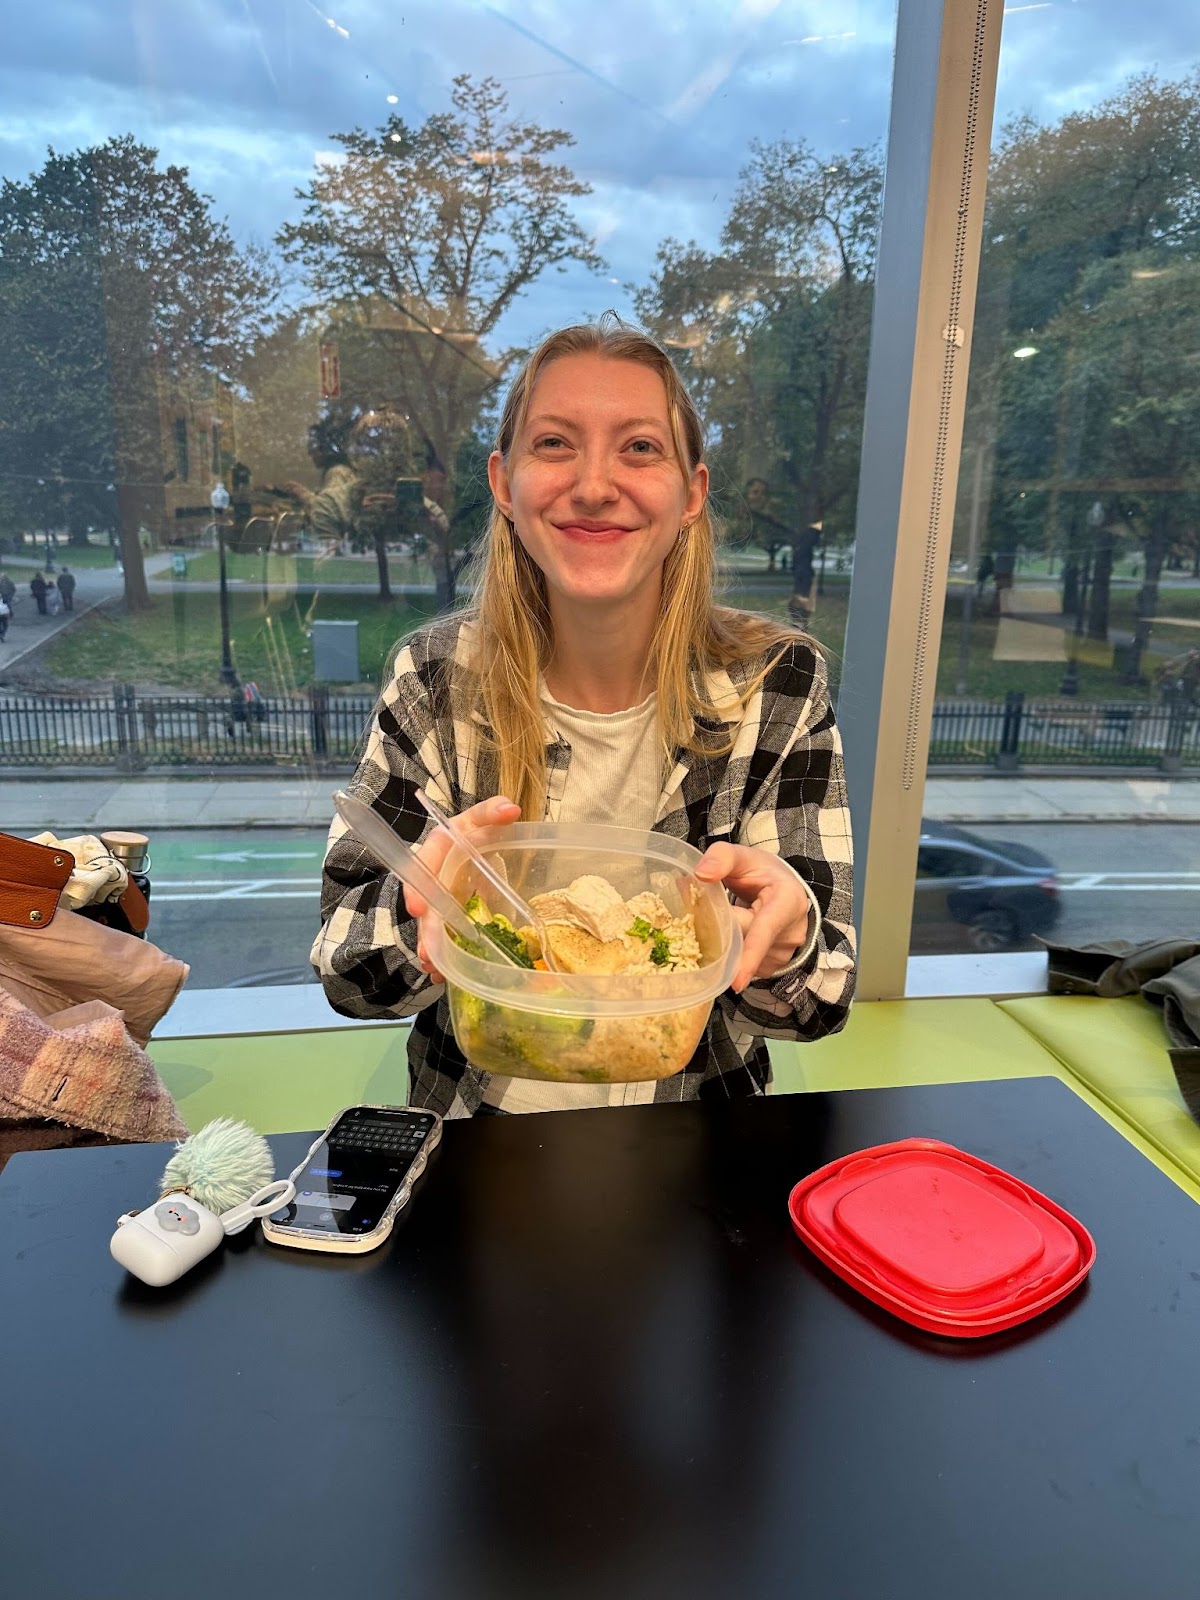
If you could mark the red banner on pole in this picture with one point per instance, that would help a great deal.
(331, 371)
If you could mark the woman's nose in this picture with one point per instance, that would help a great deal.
(594, 483)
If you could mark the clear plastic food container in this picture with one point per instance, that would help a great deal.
(570, 1028)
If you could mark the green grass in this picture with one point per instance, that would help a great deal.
(176, 644)
(307, 571)
(81, 556)
(769, 595)
(989, 679)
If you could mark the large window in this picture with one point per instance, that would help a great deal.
(264, 272)
(1069, 673)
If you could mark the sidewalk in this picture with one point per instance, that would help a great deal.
(28, 630)
(73, 805)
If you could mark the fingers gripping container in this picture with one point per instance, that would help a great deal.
(622, 1028)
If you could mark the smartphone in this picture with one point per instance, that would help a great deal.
(410, 497)
(355, 1179)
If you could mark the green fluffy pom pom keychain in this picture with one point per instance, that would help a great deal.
(221, 1166)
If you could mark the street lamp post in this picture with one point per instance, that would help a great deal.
(219, 500)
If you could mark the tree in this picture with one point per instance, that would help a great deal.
(447, 224)
(1142, 329)
(56, 456)
(1084, 217)
(772, 331)
(118, 291)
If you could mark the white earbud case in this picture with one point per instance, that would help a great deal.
(161, 1243)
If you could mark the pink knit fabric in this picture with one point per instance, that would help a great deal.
(80, 1067)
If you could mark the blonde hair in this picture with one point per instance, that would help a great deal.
(693, 636)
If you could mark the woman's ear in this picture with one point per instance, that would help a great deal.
(498, 481)
(697, 493)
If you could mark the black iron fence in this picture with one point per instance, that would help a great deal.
(1019, 732)
(132, 732)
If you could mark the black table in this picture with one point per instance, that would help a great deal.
(594, 1361)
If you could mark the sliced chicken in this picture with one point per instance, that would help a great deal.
(590, 903)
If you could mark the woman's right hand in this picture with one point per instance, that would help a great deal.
(433, 852)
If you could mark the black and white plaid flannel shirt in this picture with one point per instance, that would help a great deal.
(781, 788)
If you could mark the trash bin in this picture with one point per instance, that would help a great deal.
(335, 652)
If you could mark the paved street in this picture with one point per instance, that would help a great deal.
(242, 908)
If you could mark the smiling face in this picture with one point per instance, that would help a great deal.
(593, 484)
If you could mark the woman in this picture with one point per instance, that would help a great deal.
(596, 681)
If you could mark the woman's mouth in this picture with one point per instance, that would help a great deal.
(592, 532)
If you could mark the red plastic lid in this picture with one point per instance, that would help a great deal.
(940, 1238)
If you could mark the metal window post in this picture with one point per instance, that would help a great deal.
(938, 140)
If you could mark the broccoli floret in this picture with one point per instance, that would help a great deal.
(660, 954)
(502, 933)
(473, 947)
(496, 928)
(472, 1011)
(534, 1037)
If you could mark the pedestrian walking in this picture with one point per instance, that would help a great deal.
(66, 588)
(5, 614)
(53, 599)
(37, 588)
(8, 590)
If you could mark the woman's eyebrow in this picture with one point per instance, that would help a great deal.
(618, 427)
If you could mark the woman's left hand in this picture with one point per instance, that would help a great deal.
(770, 904)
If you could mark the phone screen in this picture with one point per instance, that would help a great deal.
(410, 504)
(347, 1182)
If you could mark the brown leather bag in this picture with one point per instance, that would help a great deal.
(32, 877)
(50, 962)
(135, 906)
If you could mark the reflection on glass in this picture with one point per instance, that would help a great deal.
(1070, 645)
(255, 338)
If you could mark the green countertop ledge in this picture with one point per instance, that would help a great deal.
(1111, 1053)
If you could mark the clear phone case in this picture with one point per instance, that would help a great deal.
(357, 1244)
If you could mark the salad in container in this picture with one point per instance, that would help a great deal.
(639, 949)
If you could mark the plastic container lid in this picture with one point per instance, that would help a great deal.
(941, 1239)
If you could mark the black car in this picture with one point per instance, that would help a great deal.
(985, 893)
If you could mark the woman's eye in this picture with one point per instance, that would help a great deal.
(551, 441)
(643, 447)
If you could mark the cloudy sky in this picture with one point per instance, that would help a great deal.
(662, 97)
